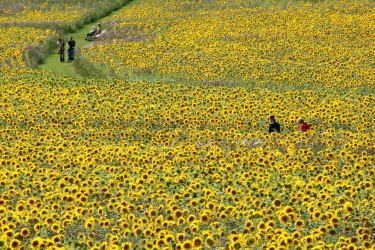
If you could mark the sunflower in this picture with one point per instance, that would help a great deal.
(147, 232)
(283, 218)
(55, 227)
(90, 223)
(348, 207)
(262, 226)
(9, 233)
(191, 218)
(187, 245)
(210, 241)
(276, 203)
(194, 203)
(169, 238)
(194, 228)
(223, 216)
(296, 235)
(180, 237)
(157, 244)
(15, 244)
(100, 210)
(36, 243)
(317, 215)
(308, 240)
(204, 218)
(197, 241)
(152, 213)
(178, 213)
(299, 223)
(20, 207)
(56, 239)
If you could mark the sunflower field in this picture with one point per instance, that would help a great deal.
(188, 163)
(16, 42)
(46, 13)
(298, 45)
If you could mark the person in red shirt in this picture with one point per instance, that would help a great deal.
(303, 126)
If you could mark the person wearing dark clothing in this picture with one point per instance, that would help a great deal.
(274, 126)
(61, 45)
(72, 45)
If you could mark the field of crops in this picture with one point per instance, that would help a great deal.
(188, 163)
(295, 45)
(46, 13)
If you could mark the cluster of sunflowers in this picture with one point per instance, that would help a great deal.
(51, 13)
(44, 14)
(113, 164)
(15, 42)
(294, 44)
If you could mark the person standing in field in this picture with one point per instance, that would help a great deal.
(61, 46)
(303, 126)
(274, 126)
(72, 45)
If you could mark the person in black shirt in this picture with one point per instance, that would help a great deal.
(274, 126)
(72, 45)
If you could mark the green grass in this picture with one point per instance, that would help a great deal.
(52, 62)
